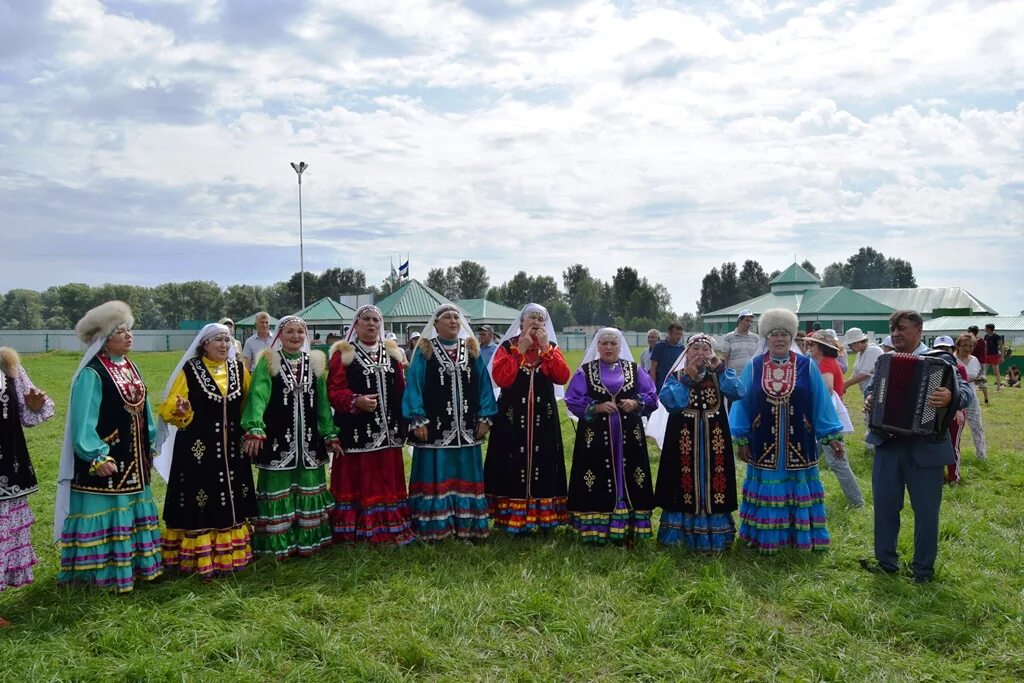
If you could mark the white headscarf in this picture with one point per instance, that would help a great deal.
(695, 339)
(66, 472)
(166, 433)
(624, 351)
(351, 333)
(275, 342)
(514, 330)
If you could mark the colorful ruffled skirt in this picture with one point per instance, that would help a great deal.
(16, 554)
(707, 533)
(294, 508)
(525, 515)
(620, 525)
(208, 552)
(370, 503)
(110, 540)
(783, 509)
(446, 493)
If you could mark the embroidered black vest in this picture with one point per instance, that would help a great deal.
(122, 426)
(371, 372)
(697, 472)
(211, 482)
(293, 433)
(780, 406)
(17, 477)
(450, 397)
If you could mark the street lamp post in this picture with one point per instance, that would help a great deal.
(299, 168)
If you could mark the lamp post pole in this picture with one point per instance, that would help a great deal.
(299, 168)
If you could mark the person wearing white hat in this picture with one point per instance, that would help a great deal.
(784, 413)
(230, 324)
(867, 354)
(823, 350)
(105, 519)
(887, 344)
(449, 406)
(741, 344)
(199, 436)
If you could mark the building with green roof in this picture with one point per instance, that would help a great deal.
(408, 308)
(327, 313)
(931, 302)
(484, 312)
(838, 308)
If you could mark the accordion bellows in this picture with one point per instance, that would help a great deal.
(903, 383)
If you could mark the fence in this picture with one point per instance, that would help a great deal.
(40, 341)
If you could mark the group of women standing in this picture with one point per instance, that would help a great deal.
(297, 411)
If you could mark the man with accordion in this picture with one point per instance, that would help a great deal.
(911, 401)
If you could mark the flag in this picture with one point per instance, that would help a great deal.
(394, 274)
(403, 270)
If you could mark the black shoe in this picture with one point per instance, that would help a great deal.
(874, 568)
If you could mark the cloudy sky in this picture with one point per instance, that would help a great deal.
(145, 141)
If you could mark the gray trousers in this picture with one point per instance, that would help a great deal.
(847, 480)
(977, 431)
(895, 470)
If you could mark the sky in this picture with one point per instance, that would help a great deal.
(144, 142)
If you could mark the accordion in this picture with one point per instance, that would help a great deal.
(903, 383)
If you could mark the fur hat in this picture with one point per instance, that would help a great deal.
(103, 320)
(9, 361)
(778, 319)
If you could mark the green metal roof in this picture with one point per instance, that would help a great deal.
(412, 300)
(795, 274)
(830, 302)
(950, 324)
(327, 311)
(926, 300)
(250, 321)
(482, 311)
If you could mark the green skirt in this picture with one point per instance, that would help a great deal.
(293, 512)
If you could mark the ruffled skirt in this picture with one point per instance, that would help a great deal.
(446, 494)
(370, 504)
(110, 541)
(208, 552)
(783, 509)
(705, 533)
(294, 506)
(16, 554)
(522, 516)
(622, 524)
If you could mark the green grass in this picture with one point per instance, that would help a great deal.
(548, 608)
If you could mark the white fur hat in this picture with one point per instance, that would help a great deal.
(778, 319)
(103, 320)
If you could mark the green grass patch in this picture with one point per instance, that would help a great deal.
(548, 608)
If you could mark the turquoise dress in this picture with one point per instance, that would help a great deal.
(108, 540)
(783, 500)
(446, 487)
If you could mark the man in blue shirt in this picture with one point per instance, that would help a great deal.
(665, 353)
(911, 464)
(485, 335)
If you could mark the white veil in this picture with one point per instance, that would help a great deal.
(517, 327)
(275, 342)
(625, 353)
(166, 433)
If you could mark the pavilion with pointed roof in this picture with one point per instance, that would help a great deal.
(838, 308)
(327, 313)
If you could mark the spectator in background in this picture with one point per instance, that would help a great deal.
(257, 343)
(665, 353)
(965, 358)
(741, 344)
(994, 353)
(653, 337)
(410, 346)
(1012, 377)
(230, 324)
(979, 353)
(887, 344)
(864, 366)
(485, 334)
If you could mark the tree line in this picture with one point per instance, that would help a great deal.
(727, 285)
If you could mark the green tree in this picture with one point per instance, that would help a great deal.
(752, 281)
(472, 279)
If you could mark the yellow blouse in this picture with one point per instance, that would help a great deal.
(219, 371)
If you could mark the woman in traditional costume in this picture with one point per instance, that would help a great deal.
(105, 520)
(210, 493)
(449, 405)
(21, 405)
(777, 425)
(365, 383)
(697, 476)
(289, 432)
(610, 495)
(524, 474)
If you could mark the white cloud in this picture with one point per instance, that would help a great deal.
(658, 136)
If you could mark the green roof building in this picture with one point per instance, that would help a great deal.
(408, 308)
(484, 312)
(838, 308)
(327, 313)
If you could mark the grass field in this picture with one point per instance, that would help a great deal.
(550, 609)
